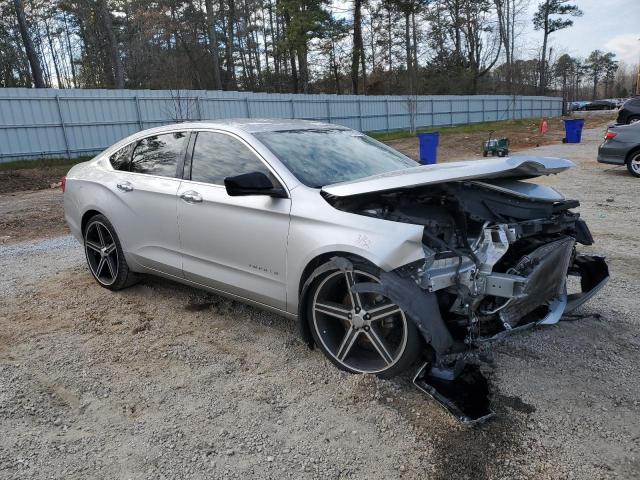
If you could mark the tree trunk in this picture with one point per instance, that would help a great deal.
(356, 52)
(390, 48)
(275, 39)
(414, 63)
(54, 57)
(71, 62)
(32, 56)
(230, 77)
(303, 69)
(118, 68)
(334, 68)
(407, 42)
(213, 44)
(543, 63)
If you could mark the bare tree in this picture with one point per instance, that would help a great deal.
(213, 44)
(34, 61)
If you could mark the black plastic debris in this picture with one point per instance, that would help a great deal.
(465, 394)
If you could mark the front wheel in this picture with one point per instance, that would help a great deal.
(104, 254)
(634, 119)
(361, 332)
(633, 165)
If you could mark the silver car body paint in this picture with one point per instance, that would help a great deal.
(506, 167)
(256, 248)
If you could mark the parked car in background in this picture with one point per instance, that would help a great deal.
(618, 101)
(621, 146)
(630, 111)
(600, 105)
(579, 105)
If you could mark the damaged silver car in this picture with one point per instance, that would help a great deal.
(382, 262)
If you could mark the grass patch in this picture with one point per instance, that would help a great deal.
(42, 163)
(469, 128)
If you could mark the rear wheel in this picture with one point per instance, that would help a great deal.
(361, 332)
(633, 164)
(634, 119)
(104, 254)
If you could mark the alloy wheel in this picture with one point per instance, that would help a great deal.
(102, 253)
(364, 332)
(635, 164)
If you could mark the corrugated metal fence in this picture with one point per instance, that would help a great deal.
(38, 123)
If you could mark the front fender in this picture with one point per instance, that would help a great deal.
(318, 229)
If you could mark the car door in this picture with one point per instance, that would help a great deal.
(146, 186)
(234, 244)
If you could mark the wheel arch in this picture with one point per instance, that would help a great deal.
(86, 216)
(631, 153)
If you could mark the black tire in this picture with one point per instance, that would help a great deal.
(104, 255)
(633, 164)
(407, 352)
(633, 119)
(485, 153)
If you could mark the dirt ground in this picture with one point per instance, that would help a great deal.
(522, 135)
(30, 178)
(162, 381)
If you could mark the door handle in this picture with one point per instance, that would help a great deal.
(125, 186)
(191, 197)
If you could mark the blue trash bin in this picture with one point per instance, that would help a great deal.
(573, 130)
(429, 147)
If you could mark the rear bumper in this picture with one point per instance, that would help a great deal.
(612, 155)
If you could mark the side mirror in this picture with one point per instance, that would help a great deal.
(252, 183)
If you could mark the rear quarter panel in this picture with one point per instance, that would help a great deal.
(86, 189)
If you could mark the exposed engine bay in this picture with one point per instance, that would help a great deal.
(497, 252)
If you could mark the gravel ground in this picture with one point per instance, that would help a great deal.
(164, 381)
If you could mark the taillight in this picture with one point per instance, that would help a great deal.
(63, 183)
(609, 135)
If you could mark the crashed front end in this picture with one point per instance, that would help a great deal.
(500, 254)
(505, 261)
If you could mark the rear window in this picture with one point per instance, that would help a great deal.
(158, 155)
(121, 160)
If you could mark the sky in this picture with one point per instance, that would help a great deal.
(607, 25)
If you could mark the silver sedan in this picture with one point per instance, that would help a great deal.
(381, 261)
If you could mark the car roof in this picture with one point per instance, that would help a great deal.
(255, 125)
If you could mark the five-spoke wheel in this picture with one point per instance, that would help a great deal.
(360, 332)
(104, 254)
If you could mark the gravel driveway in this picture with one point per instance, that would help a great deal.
(164, 381)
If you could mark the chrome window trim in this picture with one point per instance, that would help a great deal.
(258, 155)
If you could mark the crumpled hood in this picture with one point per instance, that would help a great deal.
(517, 167)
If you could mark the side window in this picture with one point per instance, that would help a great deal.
(158, 155)
(121, 160)
(217, 156)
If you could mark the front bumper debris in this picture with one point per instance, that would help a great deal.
(462, 390)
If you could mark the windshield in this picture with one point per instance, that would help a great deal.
(325, 156)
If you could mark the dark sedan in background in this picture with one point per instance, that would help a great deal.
(621, 146)
(630, 111)
(600, 105)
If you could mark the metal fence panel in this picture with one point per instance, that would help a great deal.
(36, 123)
